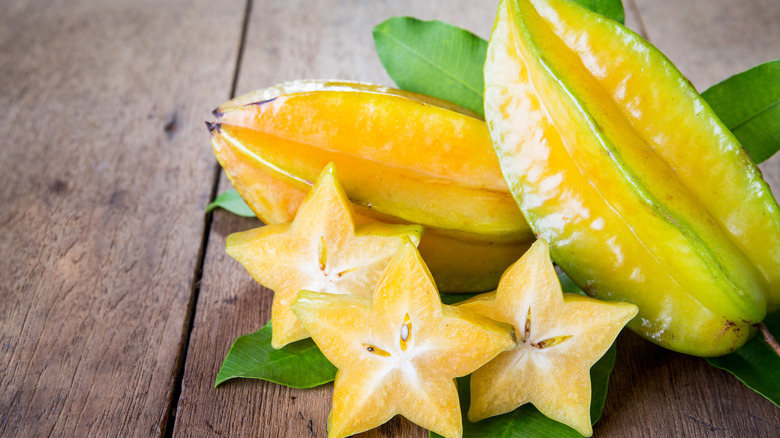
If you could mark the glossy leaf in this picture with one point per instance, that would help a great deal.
(756, 364)
(433, 58)
(451, 299)
(297, 365)
(526, 421)
(748, 103)
(231, 201)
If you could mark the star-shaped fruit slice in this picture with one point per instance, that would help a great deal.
(400, 352)
(321, 250)
(559, 337)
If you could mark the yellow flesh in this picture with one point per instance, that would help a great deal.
(399, 353)
(320, 250)
(560, 336)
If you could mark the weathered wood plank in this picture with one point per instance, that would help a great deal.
(332, 39)
(104, 180)
(654, 392)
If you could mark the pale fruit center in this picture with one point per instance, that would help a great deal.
(399, 351)
(546, 342)
(325, 277)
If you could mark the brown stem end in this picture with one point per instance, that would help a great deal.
(768, 337)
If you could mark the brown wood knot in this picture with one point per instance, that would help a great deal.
(172, 126)
(58, 187)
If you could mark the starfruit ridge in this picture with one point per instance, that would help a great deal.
(573, 153)
(466, 246)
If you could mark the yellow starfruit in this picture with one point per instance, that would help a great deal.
(559, 338)
(399, 353)
(321, 250)
(644, 195)
(403, 158)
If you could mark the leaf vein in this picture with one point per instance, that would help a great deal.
(756, 114)
(433, 64)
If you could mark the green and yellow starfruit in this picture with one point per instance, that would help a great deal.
(615, 159)
(402, 158)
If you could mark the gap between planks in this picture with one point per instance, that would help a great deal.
(169, 420)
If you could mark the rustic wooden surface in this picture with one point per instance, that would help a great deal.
(104, 176)
(105, 168)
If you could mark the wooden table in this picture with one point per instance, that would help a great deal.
(117, 301)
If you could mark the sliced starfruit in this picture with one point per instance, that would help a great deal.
(320, 250)
(641, 191)
(559, 338)
(403, 158)
(399, 354)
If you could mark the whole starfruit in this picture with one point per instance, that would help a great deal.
(615, 159)
(403, 158)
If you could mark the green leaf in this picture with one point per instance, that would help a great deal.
(451, 299)
(433, 58)
(298, 365)
(756, 364)
(748, 103)
(232, 202)
(609, 8)
(527, 421)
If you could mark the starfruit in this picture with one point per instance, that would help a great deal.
(402, 158)
(644, 195)
(399, 352)
(559, 338)
(321, 249)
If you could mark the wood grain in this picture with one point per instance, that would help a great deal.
(654, 392)
(332, 39)
(104, 181)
